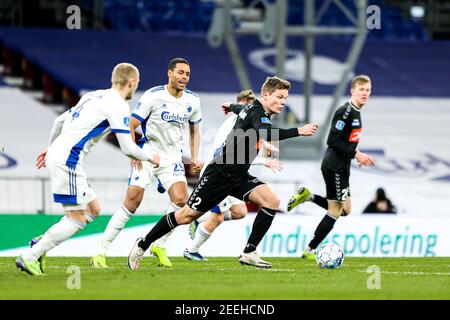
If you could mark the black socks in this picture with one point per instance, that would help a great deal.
(322, 230)
(261, 224)
(164, 225)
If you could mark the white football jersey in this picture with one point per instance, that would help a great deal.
(219, 139)
(163, 120)
(95, 115)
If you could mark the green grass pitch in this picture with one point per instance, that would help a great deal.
(225, 278)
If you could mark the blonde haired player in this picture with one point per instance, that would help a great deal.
(73, 135)
(163, 113)
(230, 208)
(343, 140)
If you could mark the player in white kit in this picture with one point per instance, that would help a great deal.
(230, 208)
(163, 113)
(73, 135)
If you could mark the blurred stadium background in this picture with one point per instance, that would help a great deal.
(48, 61)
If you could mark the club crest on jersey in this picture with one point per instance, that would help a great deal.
(188, 108)
(172, 117)
(340, 125)
(354, 136)
(355, 123)
(266, 120)
(126, 121)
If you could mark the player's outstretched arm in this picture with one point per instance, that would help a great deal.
(308, 130)
(228, 107)
(130, 149)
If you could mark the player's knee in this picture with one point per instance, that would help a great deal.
(77, 215)
(179, 200)
(95, 210)
(272, 203)
(239, 212)
(345, 212)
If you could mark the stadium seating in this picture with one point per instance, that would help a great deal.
(82, 60)
(195, 16)
(159, 15)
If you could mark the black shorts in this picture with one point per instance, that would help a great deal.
(213, 187)
(337, 184)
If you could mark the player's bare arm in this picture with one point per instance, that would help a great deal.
(194, 130)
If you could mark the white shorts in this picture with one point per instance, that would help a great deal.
(70, 186)
(166, 175)
(226, 204)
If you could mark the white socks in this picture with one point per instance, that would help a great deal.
(200, 237)
(161, 242)
(54, 236)
(115, 225)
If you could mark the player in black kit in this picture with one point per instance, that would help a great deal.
(227, 174)
(342, 143)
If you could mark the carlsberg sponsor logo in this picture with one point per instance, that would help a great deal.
(170, 117)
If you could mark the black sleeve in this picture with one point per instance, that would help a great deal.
(236, 107)
(287, 133)
(262, 124)
(334, 137)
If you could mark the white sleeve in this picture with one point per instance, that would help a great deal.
(57, 126)
(118, 116)
(144, 106)
(196, 116)
(130, 148)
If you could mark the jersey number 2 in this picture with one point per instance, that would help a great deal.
(198, 200)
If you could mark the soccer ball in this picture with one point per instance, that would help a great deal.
(330, 256)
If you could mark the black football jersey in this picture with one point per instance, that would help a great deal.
(343, 138)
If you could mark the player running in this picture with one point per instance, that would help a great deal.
(342, 143)
(73, 135)
(230, 208)
(228, 174)
(163, 113)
